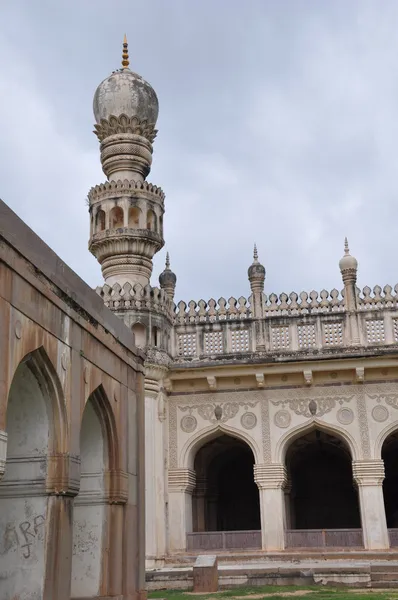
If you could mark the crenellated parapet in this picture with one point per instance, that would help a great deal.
(301, 326)
(136, 298)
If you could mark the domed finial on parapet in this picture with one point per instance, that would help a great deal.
(348, 264)
(256, 273)
(125, 55)
(168, 279)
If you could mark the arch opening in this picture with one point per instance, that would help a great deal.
(90, 504)
(151, 220)
(139, 331)
(226, 497)
(23, 499)
(116, 217)
(321, 491)
(389, 454)
(100, 220)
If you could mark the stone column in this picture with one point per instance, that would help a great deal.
(155, 465)
(270, 479)
(369, 475)
(181, 485)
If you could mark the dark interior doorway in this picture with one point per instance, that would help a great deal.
(322, 493)
(226, 497)
(390, 485)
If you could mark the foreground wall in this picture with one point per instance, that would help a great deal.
(71, 432)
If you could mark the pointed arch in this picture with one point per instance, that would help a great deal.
(39, 364)
(381, 438)
(191, 447)
(289, 437)
(105, 414)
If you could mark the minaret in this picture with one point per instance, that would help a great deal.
(168, 279)
(126, 212)
(256, 275)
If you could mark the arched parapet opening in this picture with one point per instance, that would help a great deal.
(140, 334)
(99, 477)
(296, 432)
(151, 221)
(190, 448)
(116, 217)
(100, 219)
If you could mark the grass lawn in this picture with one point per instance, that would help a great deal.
(280, 593)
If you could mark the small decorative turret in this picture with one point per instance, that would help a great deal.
(168, 279)
(126, 211)
(256, 273)
(348, 265)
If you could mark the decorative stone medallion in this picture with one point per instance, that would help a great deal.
(188, 423)
(282, 419)
(345, 416)
(248, 420)
(18, 329)
(380, 414)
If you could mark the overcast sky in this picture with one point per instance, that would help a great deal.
(278, 125)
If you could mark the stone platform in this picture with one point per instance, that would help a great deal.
(354, 569)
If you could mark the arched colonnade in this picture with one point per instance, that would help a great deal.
(319, 492)
(61, 488)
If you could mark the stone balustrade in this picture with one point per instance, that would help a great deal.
(311, 323)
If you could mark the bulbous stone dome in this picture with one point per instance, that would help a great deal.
(167, 277)
(348, 261)
(125, 92)
(256, 271)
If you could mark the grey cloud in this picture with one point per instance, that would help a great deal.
(278, 124)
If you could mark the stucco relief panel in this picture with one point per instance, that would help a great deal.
(190, 415)
(289, 409)
(381, 401)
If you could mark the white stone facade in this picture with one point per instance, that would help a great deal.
(291, 378)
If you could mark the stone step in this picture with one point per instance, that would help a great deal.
(385, 584)
(384, 568)
(386, 576)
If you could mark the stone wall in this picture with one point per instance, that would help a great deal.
(71, 432)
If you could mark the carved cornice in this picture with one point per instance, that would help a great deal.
(124, 124)
(119, 188)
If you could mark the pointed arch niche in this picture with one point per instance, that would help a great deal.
(97, 451)
(34, 430)
(226, 497)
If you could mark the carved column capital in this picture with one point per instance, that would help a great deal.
(368, 472)
(270, 476)
(182, 480)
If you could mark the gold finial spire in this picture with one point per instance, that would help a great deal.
(125, 55)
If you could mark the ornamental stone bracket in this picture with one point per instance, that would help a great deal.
(309, 380)
(212, 382)
(260, 380)
(182, 480)
(368, 472)
(270, 476)
(3, 452)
